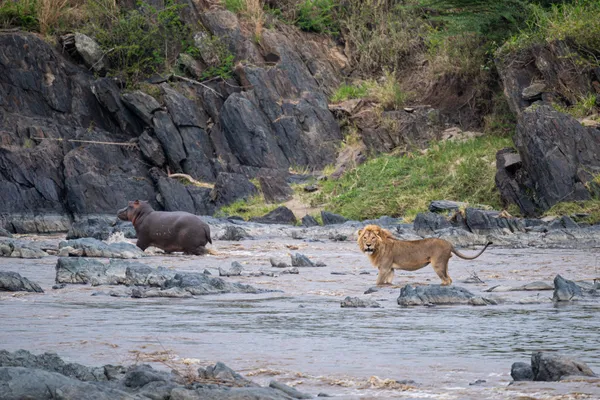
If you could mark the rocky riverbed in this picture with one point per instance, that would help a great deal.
(303, 328)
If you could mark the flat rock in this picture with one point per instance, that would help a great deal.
(14, 282)
(234, 233)
(290, 391)
(16, 248)
(95, 248)
(280, 215)
(437, 294)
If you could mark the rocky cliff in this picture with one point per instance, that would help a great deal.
(73, 144)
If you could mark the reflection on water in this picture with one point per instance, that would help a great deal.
(306, 338)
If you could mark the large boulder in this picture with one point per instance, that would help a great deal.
(548, 366)
(231, 187)
(14, 282)
(429, 222)
(280, 215)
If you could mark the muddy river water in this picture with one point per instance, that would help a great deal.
(301, 336)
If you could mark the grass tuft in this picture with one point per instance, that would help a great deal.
(573, 208)
(404, 186)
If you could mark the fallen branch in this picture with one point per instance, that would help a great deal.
(131, 144)
(195, 82)
(191, 180)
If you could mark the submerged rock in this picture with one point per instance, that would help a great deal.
(290, 391)
(14, 282)
(20, 249)
(355, 302)
(437, 294)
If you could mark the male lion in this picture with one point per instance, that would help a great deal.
(388, 253)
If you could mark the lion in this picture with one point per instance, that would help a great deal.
(388, 253)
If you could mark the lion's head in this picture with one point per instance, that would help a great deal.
(371, 237)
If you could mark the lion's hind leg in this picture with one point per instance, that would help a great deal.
(440, 266)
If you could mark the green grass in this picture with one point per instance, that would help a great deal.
(404, 186)
(347, 92)
(591, 207)
(584, 107)
(252, 207)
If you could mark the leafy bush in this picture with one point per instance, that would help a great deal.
(317, 16)
(22, 13)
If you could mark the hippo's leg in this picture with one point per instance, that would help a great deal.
(142, 244)
(198, 251)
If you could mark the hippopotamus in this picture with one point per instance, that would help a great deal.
(167, 230)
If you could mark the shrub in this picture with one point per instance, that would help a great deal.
(347, 92)
(317, 16)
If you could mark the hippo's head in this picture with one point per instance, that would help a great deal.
(133, 210)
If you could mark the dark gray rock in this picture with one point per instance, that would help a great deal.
(16, 248)
(142, 104)
(140, 375)
(564, 222)
(139, 274)
(290, 391)
(85, 49)
(483, 222)
(300, 260)
(234, 233)
(226, 393)
(275, 189)
(173, 293)
(200, 284)
(521, 371)
(151, 149)
(512, 181)
(90, 247)
(231, 187)
(277, 264)
(108, 95)
(170, 138)
(5, 233)
(100, 228)
(222, 372)
(235, 270)
(427, 223)
(309, 221)
(437, 294)
(552, 367)
(280, 215)
(356, 302)
(445, 206)
(565, 290)
(331, 218)
(14, 282)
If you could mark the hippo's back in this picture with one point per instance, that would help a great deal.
(178, 229)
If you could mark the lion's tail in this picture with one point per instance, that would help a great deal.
(467, 257)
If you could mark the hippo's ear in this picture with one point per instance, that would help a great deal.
(136, 203)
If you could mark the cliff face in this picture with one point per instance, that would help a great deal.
(73, 144)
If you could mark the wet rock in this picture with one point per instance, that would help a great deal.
(200, 284)
(16, 248)
(95, 248)
(280, 215)
(141, 375)
(139, 274)
(275, 189)
(552, 367)
(300, 260)
(100, 228)
(49, 362)
(59, 286)
(521, 371)
(290, 271)
(235, 270)
(226, 393)
(427, 223)
(338, 237)
(231, 187)
(373, 289)
(278, 264)
(290, 391)
(445, 206)
(309, 221)
(234, 233)
(564, 222)
(14, 282)
(222, 372)
(356, 302)
(5, 233)
(565, 290)
(533, 286)
(437, 294)
(331, 218)
(176, 293)
(477, 382)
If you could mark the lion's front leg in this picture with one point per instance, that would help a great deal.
(385, 276)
